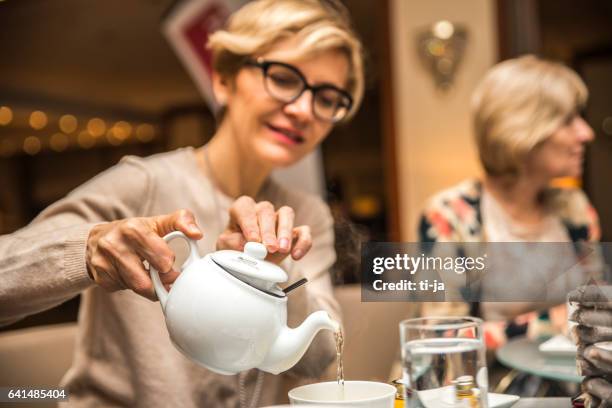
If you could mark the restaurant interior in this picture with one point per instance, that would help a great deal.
(83, 84)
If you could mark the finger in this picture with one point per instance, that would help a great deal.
(284, 231)
(109, 251)
(181, 220)
(243, 215)
(601, 389)
(593, 295)
(231, 240)
(587, 369)
(589, 335)
(588, 400)
(276, 258)
(148, 245)
(591, 402)
(104, 274)
(266, 219)
(592, 317)
(303, 242)
(594, 402)
(134, 274)
(602, 359)
(168, 279)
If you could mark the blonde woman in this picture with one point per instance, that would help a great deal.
(286, 71)
(526, 115)
(529, 131)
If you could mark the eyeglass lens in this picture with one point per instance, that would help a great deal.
(286, 85)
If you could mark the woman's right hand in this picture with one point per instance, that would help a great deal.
(116, 251)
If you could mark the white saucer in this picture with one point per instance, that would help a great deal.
(559, 346)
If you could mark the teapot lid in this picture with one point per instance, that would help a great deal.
(250, 267)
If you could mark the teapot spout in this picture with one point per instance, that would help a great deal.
(291, 344)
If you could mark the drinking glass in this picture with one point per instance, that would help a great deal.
(444, 364)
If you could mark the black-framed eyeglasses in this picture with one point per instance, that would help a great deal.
(286, 83)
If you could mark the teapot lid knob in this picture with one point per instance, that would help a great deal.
(256, 250)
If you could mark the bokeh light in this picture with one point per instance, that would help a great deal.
(145, 132)
(38, 120)
(443, 29)
(122, 130)
(111, 138)
(6, 115)
(96, 127)
(59, 142)
(32, 145)
(85, 139)
(68, 124)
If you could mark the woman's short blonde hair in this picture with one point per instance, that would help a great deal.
(320, 25)
(519, 104)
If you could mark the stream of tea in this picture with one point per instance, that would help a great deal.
(340, 371)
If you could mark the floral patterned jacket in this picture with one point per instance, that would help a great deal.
(454, 215)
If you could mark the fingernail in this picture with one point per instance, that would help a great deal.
(253, 236)
(284, 243)
(194, 228)
(271, 245)
(168, 271)
(297, 254)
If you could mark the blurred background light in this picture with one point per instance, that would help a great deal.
(86, 140)
(145, 132)
(68, 124)
(6, 115)
(443, 29)
(96, 127)
(59, 142)
(38, 120)
(32, 145)
(122, 130)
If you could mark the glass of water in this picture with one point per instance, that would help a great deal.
(444, 362)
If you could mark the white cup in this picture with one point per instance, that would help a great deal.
(356, 394)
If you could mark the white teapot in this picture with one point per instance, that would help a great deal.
(226, 312)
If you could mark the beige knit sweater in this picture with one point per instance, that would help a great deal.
(124, 356)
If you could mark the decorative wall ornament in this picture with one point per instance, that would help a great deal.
(187, 27)
(441, 48)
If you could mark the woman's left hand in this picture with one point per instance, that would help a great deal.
(252, 221)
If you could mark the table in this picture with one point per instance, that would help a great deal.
(543, 403)
(522, 354)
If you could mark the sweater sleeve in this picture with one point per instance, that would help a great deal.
(317, 294)
(43, 264)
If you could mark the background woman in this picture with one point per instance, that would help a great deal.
(285, 72)
(528, 128)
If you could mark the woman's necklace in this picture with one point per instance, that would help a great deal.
(242, 394)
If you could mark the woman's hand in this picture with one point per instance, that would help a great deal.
(594, 317)
(261, 222)
(116, 251)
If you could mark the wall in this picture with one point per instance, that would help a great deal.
(433, 129)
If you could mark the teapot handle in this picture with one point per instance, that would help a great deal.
(160, 290)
